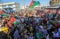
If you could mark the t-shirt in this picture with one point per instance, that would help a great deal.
(16, 34)
(55, 34)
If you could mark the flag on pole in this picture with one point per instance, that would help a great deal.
(34, 4)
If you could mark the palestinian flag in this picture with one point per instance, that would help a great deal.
(2, 13)
(31, 4)
(34, 4)
(14, 21)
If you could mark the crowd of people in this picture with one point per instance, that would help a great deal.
(46, 26)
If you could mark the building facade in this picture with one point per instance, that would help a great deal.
(54, 2)
(13, 5)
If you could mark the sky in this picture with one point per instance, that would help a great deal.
(27, 2)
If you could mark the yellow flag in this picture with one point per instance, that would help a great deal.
(5, 29)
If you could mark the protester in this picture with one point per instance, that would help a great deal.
(31, 26)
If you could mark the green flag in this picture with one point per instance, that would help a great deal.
(4, 14)
(36, 3)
